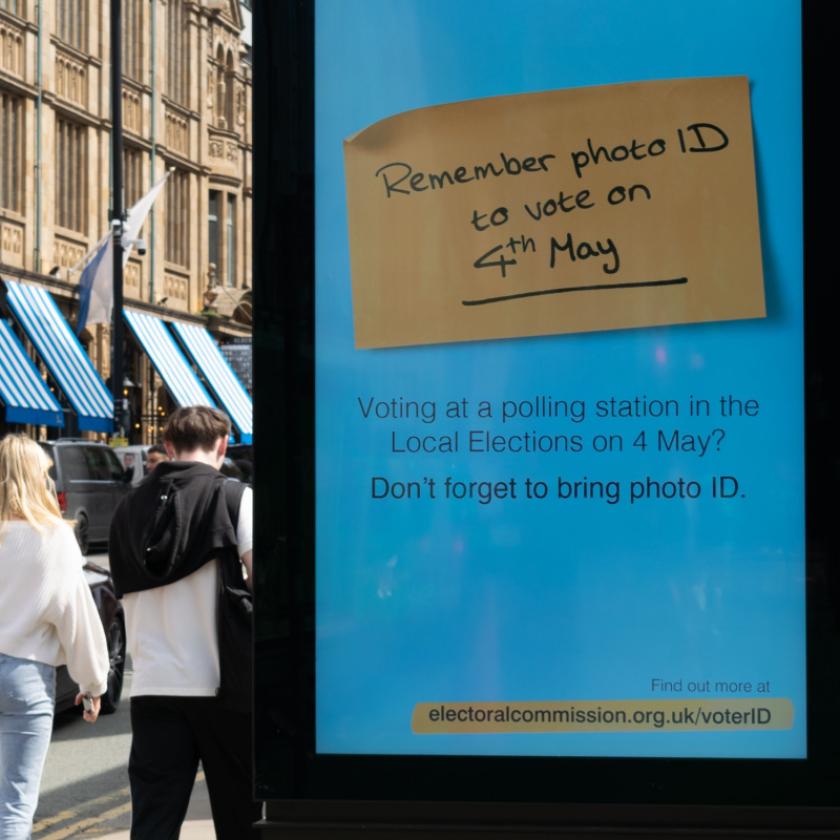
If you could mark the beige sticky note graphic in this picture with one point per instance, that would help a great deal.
(567, 211)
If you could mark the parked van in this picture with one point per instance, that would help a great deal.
(90, 481)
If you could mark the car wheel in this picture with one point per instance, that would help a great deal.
(83, 534)
(116, 655)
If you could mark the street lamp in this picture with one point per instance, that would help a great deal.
(117, 220)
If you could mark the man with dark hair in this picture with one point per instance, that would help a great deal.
(155, 455)
(173, 541)
(195, 427)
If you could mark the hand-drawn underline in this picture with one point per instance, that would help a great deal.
(676, 281)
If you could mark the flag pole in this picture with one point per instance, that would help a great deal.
(117, 329)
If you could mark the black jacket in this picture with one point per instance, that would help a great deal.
(176, 520)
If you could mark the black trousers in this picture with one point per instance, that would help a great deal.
(169, 737)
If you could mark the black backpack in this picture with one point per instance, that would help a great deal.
(165, 544)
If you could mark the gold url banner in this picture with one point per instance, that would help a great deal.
(736, 713)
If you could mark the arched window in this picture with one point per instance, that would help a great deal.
(11, 161)
(177, 52)
(72, 20)
(229, 88)
(132, 175)
(132, 39)
(177, 248)
(13, 6)
(221, 108)
(71, 175)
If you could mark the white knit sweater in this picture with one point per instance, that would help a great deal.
(47, 612)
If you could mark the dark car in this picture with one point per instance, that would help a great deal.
(111, 613)
(231, 469)
(90, 481)
(242, 456)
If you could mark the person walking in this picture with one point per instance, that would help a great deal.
(174, 540)
(47, 618)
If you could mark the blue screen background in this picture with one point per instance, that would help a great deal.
(519, 600)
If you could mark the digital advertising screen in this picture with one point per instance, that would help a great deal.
(559, 462)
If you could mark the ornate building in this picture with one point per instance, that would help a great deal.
(186, 108)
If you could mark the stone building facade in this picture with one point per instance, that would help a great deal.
(186, 108)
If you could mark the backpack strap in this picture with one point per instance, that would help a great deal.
(234, 490)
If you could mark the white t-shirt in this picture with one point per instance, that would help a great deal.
(172, 629)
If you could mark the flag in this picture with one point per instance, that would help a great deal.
(96, 285)
(137, 215)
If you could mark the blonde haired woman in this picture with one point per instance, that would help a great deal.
(47, 618)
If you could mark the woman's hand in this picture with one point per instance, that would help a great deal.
(93, 714)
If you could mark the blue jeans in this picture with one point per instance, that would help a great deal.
(27, 698)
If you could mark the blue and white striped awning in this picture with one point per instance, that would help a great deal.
(27, 398)
(219, 375)
(168, 360)
(65, 358)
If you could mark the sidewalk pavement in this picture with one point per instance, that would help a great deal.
(199, 822)
(191, 830)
